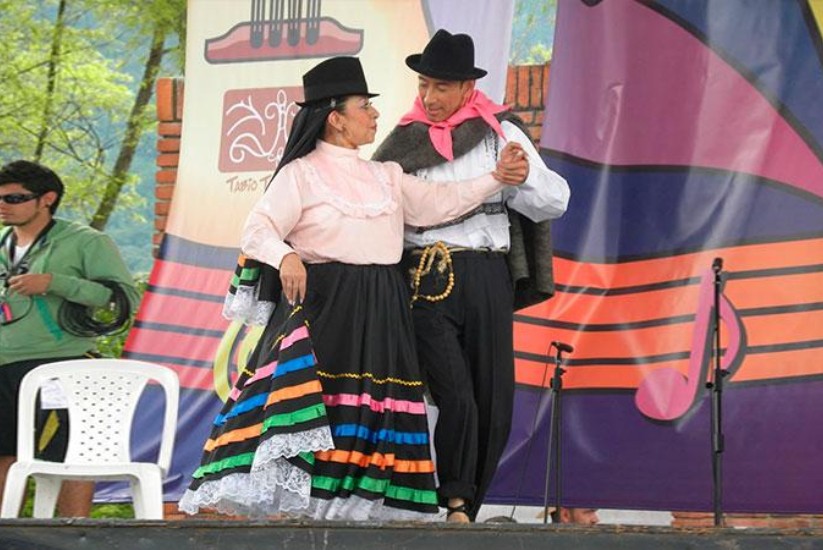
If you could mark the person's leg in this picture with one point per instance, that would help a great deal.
(10, 377)
(75, 499)
(488, 348)
(447, 379)
(75, 496)
(5, 464)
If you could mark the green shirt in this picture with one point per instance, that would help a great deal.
(75, 255)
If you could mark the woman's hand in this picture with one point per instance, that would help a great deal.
(513, 165)
(293, 278)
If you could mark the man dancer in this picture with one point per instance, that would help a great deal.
(462, 283)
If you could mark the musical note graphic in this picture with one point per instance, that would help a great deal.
(282, 35)
(667, 394)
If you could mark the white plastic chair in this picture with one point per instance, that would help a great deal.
(102, 397)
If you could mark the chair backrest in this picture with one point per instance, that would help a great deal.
(102, 396)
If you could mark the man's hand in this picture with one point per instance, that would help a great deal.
(293, 278)
(30, 284)
(513, 165)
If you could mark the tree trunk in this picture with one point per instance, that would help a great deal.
(51, 82)
(134, 129)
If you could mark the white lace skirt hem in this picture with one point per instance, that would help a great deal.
(272, 486)
(279, 488)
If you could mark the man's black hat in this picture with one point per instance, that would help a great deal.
(335, 77)
(447, 57)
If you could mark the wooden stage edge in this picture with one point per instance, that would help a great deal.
(59, 534)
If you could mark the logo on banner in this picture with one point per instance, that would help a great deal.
(256, 125)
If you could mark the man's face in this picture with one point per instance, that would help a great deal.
(442, 98)
(581, 516)
(25, 212)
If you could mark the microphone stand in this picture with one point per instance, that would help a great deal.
(716, 387)
(554, 429)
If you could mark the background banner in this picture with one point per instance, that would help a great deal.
(687, 131)
(243, 76)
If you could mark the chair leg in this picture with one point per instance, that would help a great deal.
(137, 499)
(14, 493)
(46, 491)
(147, 491)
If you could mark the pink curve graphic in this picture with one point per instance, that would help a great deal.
(667, 394)
(672, 102)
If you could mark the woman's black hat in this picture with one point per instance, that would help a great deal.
(334, 77)
(447, 57)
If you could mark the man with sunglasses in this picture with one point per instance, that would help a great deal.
(49, 269)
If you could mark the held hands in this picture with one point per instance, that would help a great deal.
(30, 284)
(293, 278)
(513, 165)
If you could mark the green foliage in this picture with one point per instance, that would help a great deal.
(532, 32)
(538, 55)
(112, 511)
(69, 87)
(90, 96)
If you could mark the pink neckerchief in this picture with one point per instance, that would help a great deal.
(440, 133)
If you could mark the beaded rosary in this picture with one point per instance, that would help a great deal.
(427, 258)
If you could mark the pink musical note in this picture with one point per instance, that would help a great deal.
(667, 394)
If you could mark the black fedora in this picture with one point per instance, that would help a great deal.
(447, 57)
(334, 77)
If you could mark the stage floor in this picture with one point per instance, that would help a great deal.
(59, 534)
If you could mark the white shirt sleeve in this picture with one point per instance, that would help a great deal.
(429, 203)
(545, 194)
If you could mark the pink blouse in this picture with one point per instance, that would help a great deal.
(333, 206)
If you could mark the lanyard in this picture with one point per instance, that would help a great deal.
(11, 246)
(18, 267)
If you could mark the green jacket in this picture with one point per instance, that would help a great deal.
(75, 255)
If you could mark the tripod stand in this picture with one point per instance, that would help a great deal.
(716, 387)
(554, 429)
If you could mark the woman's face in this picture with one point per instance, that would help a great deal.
(356, 124)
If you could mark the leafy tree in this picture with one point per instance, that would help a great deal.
(69, 98)
(166, 18)
(533, 31)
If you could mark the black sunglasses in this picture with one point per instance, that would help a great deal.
(19, 198)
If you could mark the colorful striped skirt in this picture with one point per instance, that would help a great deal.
(331, 426)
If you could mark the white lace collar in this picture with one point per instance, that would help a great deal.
(385, 204)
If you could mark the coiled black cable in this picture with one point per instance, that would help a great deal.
(87, 321)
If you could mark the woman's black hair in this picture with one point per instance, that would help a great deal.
(306, 129)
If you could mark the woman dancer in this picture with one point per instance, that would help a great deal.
(340, 433)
